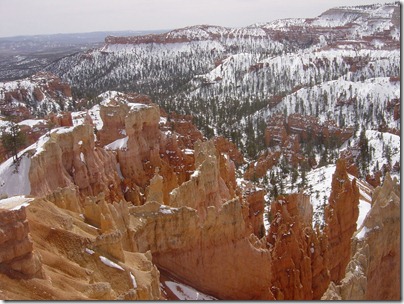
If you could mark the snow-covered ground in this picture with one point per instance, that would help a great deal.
(319, 190)
(15, 182)
(15, 202)
(383, 146)
(119, 144)
(109, 263)
(320, 180)
(185, 292)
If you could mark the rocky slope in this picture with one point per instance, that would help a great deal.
(99, 226)
(375, 250)
(336, 74)
(331, 66)
(89, 185)
(125, 199)
(35, 96)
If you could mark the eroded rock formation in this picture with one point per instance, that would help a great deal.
(341, 215)
(69, 157)
(299, 269)
(17, 258)
(373, 270)
(149, 193)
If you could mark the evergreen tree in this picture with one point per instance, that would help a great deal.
(13, 139)
(364, 151)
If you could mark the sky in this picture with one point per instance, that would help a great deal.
(35, 17)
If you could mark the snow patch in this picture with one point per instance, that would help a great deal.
(132, 277)
(195, 174)
(109, 263)
(364, 208)
(13, 182)
(15, 202)
(89, 251)
(82, 158)
(184, 292)
(119, 144)
(362, 233)
(31, 122)
(167, 209)
(95, 115)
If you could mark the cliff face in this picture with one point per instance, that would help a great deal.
(83, 256)
(299, 270)
(69, 157)
(144, 192)
(286, 133)
(17, 258)
(37, 95)
(373, 270)
(201, 219)
(341, 215)
(204, 236)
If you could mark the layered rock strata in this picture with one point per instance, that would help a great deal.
(373, 272)
(299, 270)
(17, 258)
(69, 157)
(341, 215)
(205, 236)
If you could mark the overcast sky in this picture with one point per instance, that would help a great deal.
(32, 17)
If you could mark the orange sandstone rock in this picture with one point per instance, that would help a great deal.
(341, 215)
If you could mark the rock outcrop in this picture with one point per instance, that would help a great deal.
(82, 261)
(38, 95)
(68, 157)
(283, 136)
(17, 258)
(144, 193)
(373, 272)
(341, 215)
(205, 235)
(299, 270)
(207, 255)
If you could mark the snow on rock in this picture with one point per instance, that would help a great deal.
(82, 158)
(15, 181)
(136, 106)
(133, 279)
(167, 209)
(119, 144)
(188, 151)
(31, 122)
(89, 251)
(361, 234)
(63, 130)
(78, 118)
(320, 181)
(95, 115)
(39, 145)
(184, 292)
(109, 263)
(364, 208)
(15, 202)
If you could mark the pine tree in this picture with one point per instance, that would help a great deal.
(13, 139)
(364, 150)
